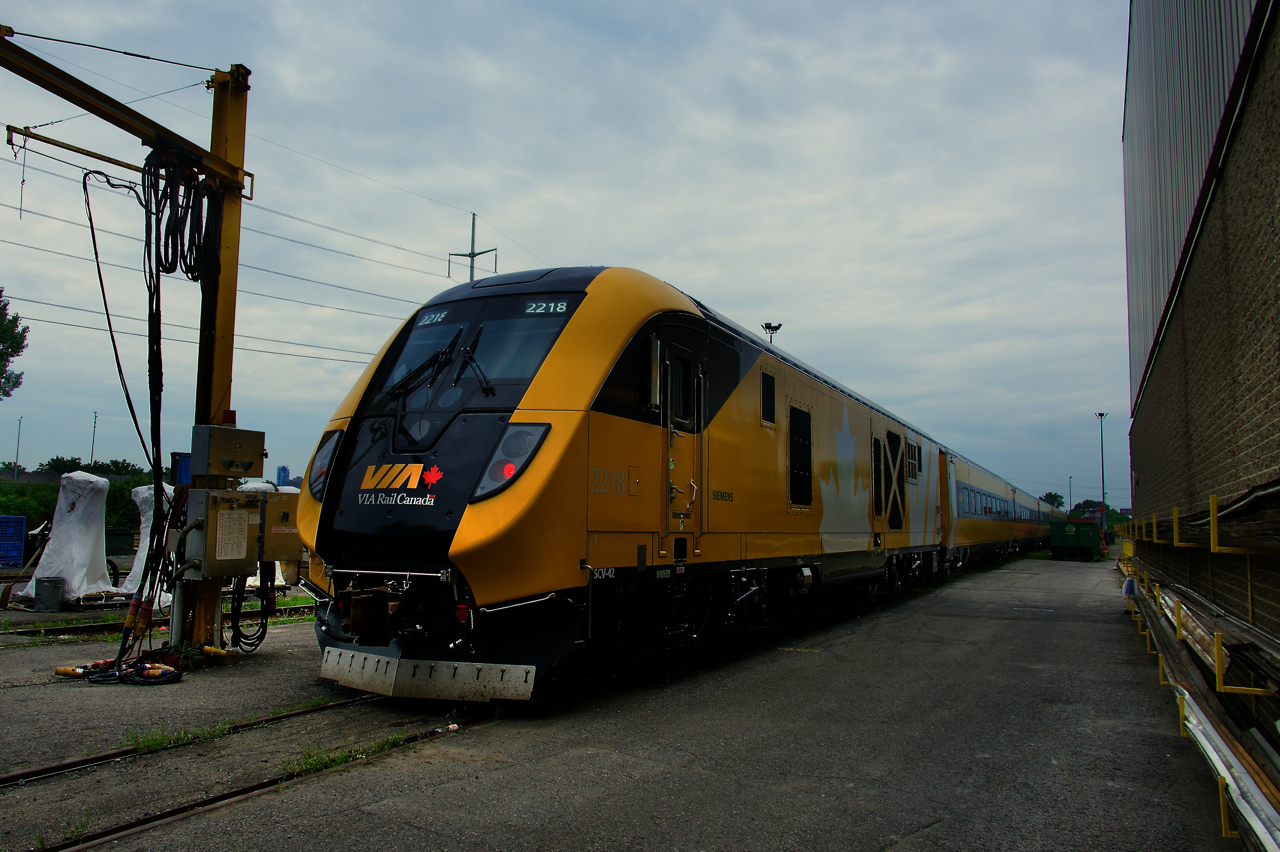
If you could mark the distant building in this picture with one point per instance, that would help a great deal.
(296, 482)
(282, 475)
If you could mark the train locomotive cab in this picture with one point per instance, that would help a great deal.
(444, 497)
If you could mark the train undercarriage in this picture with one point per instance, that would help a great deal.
(424, 636)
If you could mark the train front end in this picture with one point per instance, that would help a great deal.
(446, 495)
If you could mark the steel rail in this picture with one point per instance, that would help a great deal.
(22, 776)
(210, 803)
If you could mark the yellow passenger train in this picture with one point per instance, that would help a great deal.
(543, 462)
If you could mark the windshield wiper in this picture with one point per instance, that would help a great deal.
(418, 374)
(468, 358)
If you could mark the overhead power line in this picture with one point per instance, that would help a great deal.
(327, 284)
(301, 153)
(242, 265)
(257, 206)
(114, 50)
(522, 248)
(265, 210)
(343, 253)
(27, 211)
(238, 289)
(242, 291)
(115, 315)
(196, 343)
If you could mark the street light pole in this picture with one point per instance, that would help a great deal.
(94, 442)
(16, 449)
(1102, 455)
(1070, 505)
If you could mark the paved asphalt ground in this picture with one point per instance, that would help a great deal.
(1014, 709)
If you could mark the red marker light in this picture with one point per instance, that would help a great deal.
(508, 470)
(463, 614)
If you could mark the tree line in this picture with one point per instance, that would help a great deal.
(70, 464)
(37, 500)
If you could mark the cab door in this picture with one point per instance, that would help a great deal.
(682, 418)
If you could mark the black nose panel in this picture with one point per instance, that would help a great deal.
(403, 495)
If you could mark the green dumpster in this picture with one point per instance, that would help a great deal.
(1079, 540)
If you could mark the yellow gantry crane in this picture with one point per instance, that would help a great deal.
(222, 163)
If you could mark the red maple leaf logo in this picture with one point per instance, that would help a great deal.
(432, 476)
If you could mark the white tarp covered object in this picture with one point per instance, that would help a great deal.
(144, 496)
(77, 548)
(269, 486)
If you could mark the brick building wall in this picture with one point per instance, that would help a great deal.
(1208, 421)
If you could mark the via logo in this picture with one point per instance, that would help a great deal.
(399, 476)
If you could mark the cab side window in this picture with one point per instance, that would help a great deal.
(681, 389)
(767, 396)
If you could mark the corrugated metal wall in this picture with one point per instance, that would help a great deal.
(1182, 58)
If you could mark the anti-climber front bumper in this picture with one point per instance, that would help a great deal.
(501, 656)
(384, 674)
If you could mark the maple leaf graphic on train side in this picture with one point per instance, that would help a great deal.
(431, 477)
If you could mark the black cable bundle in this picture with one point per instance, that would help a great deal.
(136, 673)
(183, 229)
(249, 642)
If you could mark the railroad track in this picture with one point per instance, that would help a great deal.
(210, 803)
(98, 627)
(22, 776)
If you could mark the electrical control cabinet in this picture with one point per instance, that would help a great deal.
(280, 539)
(227, 542)
(238, 529)
(226, 451)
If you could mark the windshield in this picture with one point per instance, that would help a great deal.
(479, 353)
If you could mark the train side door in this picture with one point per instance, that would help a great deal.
(682, 416)
(946, 501)
(953, 504)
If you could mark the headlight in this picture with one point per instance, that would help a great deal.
(320, 463)
(518, 444)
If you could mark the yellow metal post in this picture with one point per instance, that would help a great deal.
(1177, 618)
(1160, 671)
(1154, 536)
(1213, 523)
(218, 310)
(218, 298)
(1220, 664)
(1226, 813)
(1182, 715)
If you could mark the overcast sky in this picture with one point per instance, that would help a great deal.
(927, 196)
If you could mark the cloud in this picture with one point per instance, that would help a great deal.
(927, 196)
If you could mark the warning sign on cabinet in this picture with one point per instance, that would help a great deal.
(233, 535)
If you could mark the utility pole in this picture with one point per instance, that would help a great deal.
(473, 254)
(1102, 454)
(1070, 505)
(94, 441)
(16, 449)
